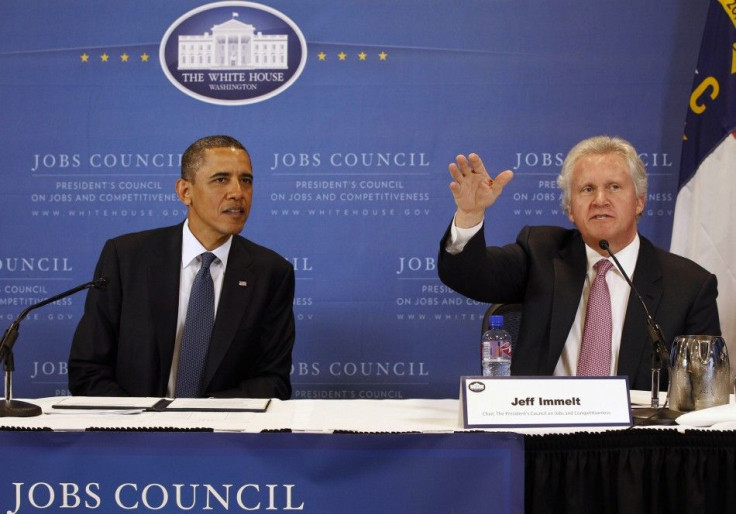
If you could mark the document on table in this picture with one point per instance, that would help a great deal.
(218, 404)
(107, 403)
(164, 404)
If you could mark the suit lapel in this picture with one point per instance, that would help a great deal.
(647, 280)
(569, 268)
(234, 299)
(163, 278)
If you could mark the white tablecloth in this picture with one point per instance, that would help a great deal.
(417, 415)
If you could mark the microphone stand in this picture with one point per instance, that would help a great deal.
(654, 414)
(16, 408)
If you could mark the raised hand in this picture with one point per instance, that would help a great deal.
(473, 189)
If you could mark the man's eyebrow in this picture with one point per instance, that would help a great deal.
(225, 173)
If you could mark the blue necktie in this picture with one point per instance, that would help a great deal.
(197, 331)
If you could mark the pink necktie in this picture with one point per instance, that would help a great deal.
(595, 351)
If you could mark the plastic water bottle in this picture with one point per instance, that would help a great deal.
(495, 349)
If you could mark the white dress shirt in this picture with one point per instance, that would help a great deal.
(191, 249)
(618, 288)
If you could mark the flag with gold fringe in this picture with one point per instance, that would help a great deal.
(704, 227)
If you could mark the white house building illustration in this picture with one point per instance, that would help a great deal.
(233, 45)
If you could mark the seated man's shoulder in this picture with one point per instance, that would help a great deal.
(548, 235)
(679, 265)
(263, 254)
(553, 231)
(145, 238)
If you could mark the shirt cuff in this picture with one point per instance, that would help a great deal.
(459, 237)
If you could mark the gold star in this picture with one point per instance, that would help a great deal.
(104, 57)
(383, 56)
(321, 56)
(124, 57)
(362, 56)
(341, 56)
(84, 57)
(144, 57)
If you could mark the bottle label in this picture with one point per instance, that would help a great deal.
(504, 349)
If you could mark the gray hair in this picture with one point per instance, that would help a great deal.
(601, 145)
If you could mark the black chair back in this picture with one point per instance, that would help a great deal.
(511, 313)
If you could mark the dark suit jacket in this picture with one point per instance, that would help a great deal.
(545, 270)
(124, 343)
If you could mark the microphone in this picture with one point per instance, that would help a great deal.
(8, 406)
(11, 334)
(655, 332)
(655, 415)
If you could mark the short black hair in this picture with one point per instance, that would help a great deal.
(193, 156)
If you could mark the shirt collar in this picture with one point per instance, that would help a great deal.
(626, 257)
(191, 248)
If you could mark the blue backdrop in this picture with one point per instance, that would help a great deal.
(350, 157)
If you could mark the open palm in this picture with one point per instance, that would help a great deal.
(473, 189)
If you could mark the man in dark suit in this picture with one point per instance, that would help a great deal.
(129, 339)
(549, 269)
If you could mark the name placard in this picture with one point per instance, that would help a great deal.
(507, 402)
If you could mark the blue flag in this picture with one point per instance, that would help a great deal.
(704, 228)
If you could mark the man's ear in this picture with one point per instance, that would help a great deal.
(183, 191)
(640, 203)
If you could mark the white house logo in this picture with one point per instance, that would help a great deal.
(477, 387)
(233, 53)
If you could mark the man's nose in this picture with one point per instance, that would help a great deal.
(601, 197)
(236, 189)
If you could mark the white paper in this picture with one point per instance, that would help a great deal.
(107, 402)
(250, 404)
